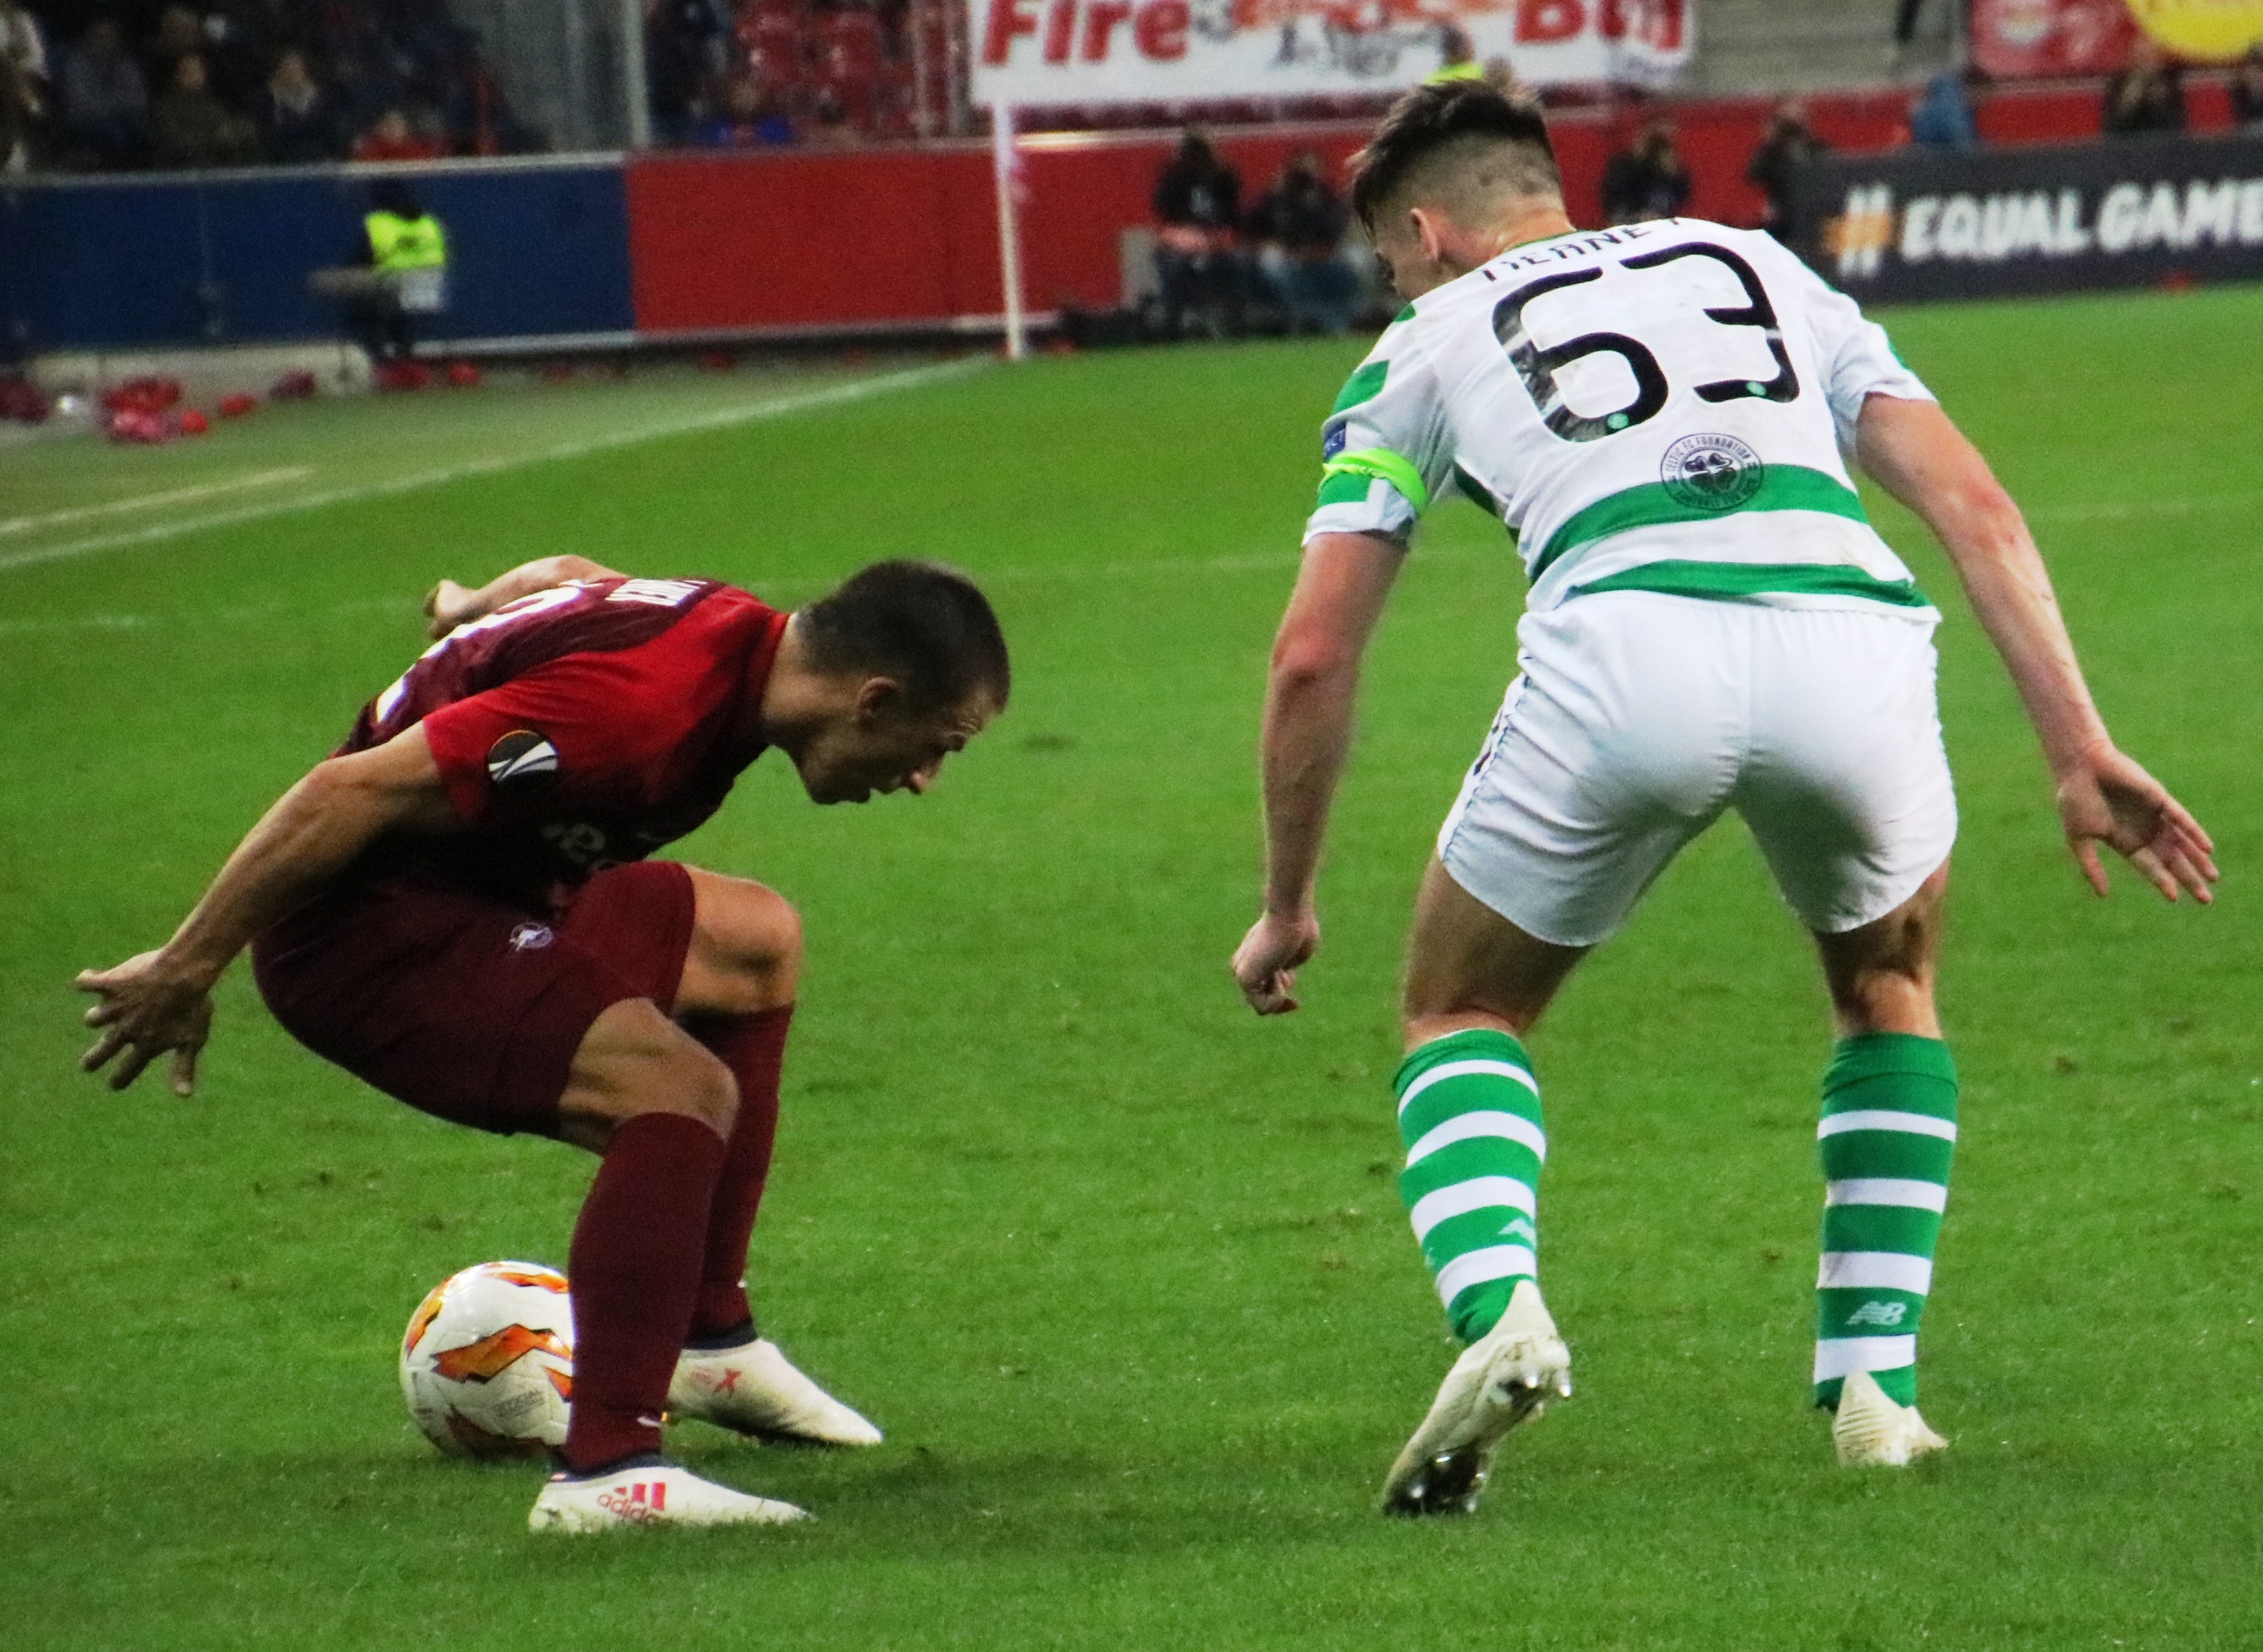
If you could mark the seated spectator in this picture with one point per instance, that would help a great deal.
(1197, 204)
(297, 120)
(2146, 97)
(392, 137)
(1944, 117)
(106, 101)
(2247, 90)
(687, 45)
(748, 120)
(1298, 225)
(1787, 147)
(179, 32)
(830, 125)
(190, 127)
(1647, 179)
(22, 84)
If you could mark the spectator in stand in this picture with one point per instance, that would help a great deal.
(686, 47)
(1787, 147)
(2146, 97)
(106, 101)
(1945, 116)
(2246, 91)
(179, 32)
(190, 127)
(1904, 31)
(1647, 179)
(1197, 204)
(22, 84)
(392, 137)
(297, 120)
(829, 126)
(1298, 228)
(748, 120)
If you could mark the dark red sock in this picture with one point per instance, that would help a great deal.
(634, 1265)
(754, 1048)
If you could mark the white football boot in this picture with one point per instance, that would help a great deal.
(1874, 1431)
(656, 1495)
(753, 1390)
(1505, 1376)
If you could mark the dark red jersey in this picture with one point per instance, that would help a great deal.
(580, 727)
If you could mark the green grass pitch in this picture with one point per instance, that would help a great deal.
(1120, 1269)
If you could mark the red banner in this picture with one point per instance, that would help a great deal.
(2023, 39)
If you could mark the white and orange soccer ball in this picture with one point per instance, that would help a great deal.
(487, 1365)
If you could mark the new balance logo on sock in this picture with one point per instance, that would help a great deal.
(1522, 1230)
(1878, 1314)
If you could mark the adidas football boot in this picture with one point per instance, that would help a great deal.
(751, 1389)
(1874, 1431)
(647, 1492)
(1505, 1376)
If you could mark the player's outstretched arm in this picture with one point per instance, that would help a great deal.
(1310, 695)
(447, 604)
(160, 1002)
(1920, 457)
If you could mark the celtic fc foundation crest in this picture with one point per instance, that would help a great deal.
(1711, 472)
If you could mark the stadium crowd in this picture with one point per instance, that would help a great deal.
(764, 74)
(128, 84)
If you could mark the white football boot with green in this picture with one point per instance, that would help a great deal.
(752, 1389)
(1503, 1378)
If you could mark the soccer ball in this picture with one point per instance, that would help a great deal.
(487, 1365)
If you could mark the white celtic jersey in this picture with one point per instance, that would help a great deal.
(1658, 407)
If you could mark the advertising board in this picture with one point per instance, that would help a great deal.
(1091, 53)
(1940, 224)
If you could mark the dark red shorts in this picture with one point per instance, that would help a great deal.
(465, 1006)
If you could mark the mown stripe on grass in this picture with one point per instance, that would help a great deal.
(722, 418)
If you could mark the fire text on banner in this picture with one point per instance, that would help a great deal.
(1038, 53)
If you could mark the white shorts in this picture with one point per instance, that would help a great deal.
(1639, 717)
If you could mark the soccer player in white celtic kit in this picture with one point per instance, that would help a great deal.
(1658, 413)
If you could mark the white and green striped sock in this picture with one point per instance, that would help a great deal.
(1887, 1135)
(1469, 1112)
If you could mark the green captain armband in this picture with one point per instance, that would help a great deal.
(1344, 479)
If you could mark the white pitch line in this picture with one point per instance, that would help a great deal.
(146, 501)
(722, 418)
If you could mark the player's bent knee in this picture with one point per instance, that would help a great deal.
(747, 949)
(692, 1081)
(633, 1060)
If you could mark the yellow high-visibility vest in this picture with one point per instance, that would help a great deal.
(406, 243)
(1454, 71)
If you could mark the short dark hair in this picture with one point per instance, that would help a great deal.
(1447, 113)
(926, 626)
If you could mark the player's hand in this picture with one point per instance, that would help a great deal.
(1265, 965)
(448, 605)
(146, 1010)
(2105, 797)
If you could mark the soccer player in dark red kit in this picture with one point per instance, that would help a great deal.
(456, 906)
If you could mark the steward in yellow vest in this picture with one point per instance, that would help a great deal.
(399, 243)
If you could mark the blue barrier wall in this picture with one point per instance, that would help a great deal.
(216, 257)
